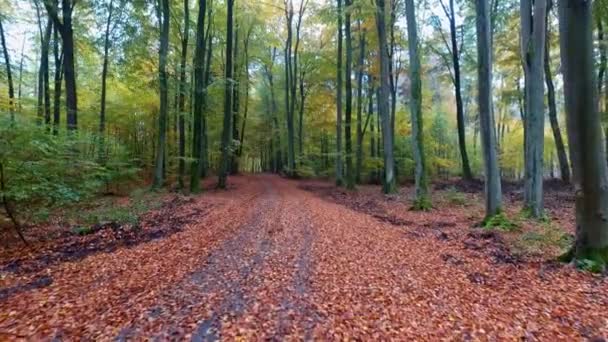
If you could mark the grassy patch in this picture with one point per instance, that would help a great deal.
(544, 238)
(121, 210)
(455, 197)
(499, 221)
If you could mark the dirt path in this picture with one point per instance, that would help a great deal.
(271, 261)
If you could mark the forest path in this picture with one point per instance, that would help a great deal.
(271, 261)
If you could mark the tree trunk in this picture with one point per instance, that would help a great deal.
(181, 107)
(590, 171)
(104, 76)
(493, 192)
(9, 75)
(227, 129)
(246, 110)
(162, 74)
(58, 81)
(44, 72)
(350, 177)
(389, 183)
(360, 66)
(557, 135)
(236, 86)
(339, 166)
(199, 99)
(466, 167)
(532, 51)
(422, 201)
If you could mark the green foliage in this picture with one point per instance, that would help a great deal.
(499, 221)
(42, 170)
(455, 197)
(422, 204)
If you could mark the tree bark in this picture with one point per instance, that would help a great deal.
(9, 75)
(227, 129)
(590, 170)
(199, 99)
(162, 74)
(350, 177)
(181, 107)
(104, 76)
(493, 192)
(557, 135)
(532, 51)
(422, 201)
(389, 183)
(360, 66)
(339, 166)
(58, 81)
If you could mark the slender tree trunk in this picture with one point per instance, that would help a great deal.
(162, 74)
(104, 77)
(493, 192)
(246, 110)
(236, 87)
(389, 183)
(181, 120)
(533, 50)
(20, 104)
(422, 201)
(590, 171)
(360, 66)
(44, 72)
(9, 75)
(339, 166)
(58, 81)
(557, 135)
(199, 99)
(227, 129)
(466, 167)
(350, 176)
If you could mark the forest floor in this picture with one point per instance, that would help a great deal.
(278, 259)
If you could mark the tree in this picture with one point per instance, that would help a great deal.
(199, 99)
(67, 37)
(181, 107)
(456, 78)
(589, 168)
(339, 166)
(104, 76)
(557, 135)
(227, 126)
(422, 201)
(493, 192)
(163, 17)
(532, 53)
(360, 69)
(350, 176)
(9, 76)
(389, 183)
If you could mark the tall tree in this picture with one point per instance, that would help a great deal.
(360, 69)
(228, 69)
(493, 191)
(348, 146)
(58, 78)
(163, 17)
(104, 79)
(181, 107)
(69, 64)
(9, 75)
(590, 171)
(532, 33)
(389, 183)
(456, 77)
(199, 99)
(339, 166)
(422, 201)
(557, 135)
